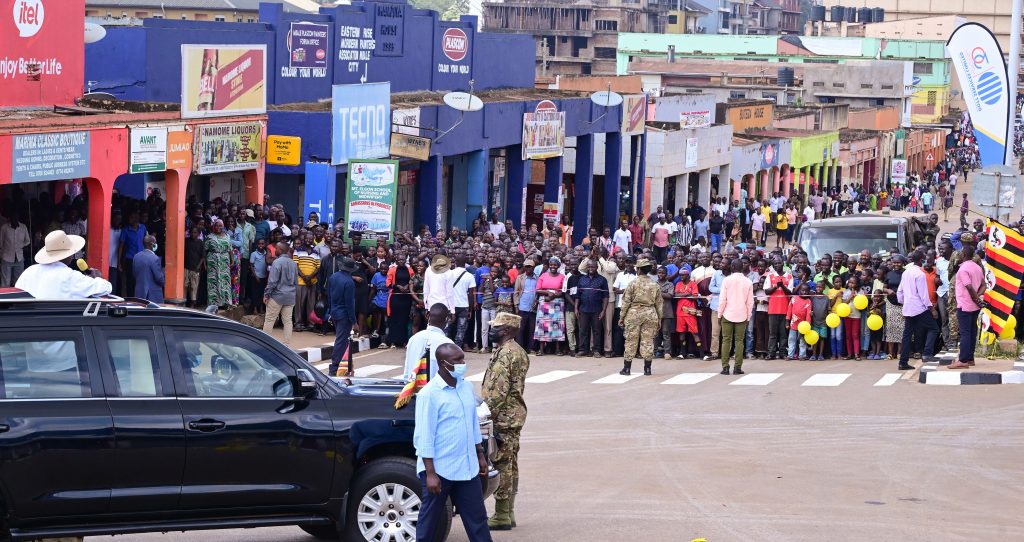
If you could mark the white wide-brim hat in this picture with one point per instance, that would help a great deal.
(59, 246)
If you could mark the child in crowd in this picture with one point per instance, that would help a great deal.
(503, 296)
(819, 310)
(877, 307)
(851, 324)
(835, 295)
(799, 311)
(379, 292)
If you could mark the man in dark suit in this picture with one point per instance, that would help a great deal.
(148, 273)
(341, 294)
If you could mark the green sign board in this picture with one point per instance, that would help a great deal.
(372, 186)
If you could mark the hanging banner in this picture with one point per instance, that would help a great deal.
(1004, 268)
(634, 114)
(543, 134)
(221, 80)
(179, 149)
(409, 146)
(228, 147)
(691, 152)
(979, 64)
(899, 171)
(696, 119)
(361, 122)
(50, 157)
(372, 185)
(148, 150)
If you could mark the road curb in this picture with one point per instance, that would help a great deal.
(314, 354)
(932, 374)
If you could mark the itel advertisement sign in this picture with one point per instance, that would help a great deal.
(453, 57)
(42, 51)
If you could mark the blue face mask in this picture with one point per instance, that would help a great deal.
(458, 371)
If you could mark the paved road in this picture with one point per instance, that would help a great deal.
(858, 456)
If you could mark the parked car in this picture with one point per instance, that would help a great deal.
(124, 417)
(854, 233)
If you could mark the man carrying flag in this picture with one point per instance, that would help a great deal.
(420, 364)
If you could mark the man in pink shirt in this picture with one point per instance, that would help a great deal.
(735, 305)
(970, 285)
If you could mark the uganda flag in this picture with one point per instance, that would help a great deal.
(418, 381)
(1004, 267)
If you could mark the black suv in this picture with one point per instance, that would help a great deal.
(119, 416)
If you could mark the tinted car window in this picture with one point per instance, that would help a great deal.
(43, 369)
(134, 365)
(225, 365)
(818, 241)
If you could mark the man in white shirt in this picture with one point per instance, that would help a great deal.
(433, 336)
(808, 213)
(463, 299)
(623, 238)
(622, 281)
(437, 284)
(13, 240)
(496, 228)
(52, 278)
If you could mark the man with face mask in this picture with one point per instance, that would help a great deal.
(502, 388)
(449, 454)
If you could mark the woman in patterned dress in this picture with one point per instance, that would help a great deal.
(550, 309)
(235, 234)
(218, 266)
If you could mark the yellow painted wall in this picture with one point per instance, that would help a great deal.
(924, 113)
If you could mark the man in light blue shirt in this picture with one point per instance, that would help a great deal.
(449, 454)
(716, 289)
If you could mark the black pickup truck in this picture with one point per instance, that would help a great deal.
(119, 416)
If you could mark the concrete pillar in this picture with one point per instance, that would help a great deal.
(174, 241)
(428, 193)
(682, 191)
(254, 179)
(476, 169)
(552, 179)
(584, 186)
(515, 187)
(97, 237)
(642, 205)
(752, 186)
(636, 203)
(787, 181)
(704, 189)
(612, 179)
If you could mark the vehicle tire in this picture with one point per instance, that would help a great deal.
(387, 492)
(321, 532)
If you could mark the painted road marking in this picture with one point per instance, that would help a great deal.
(826, 379)
(756, 379)
(313, 354)
(370, 370)
(943, 378)
(687, 379)
(615, 379)
(889, 379)
(552, 376)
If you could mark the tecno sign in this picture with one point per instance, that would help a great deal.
(455, 44)
(28, 17)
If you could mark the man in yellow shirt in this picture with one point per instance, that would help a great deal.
(308, 261)
(781, 225)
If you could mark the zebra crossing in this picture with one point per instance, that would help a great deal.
(754, 379)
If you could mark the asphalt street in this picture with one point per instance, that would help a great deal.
(795, 451)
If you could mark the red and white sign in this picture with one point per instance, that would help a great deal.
(42, 52)
(546, 106)
(455, 44)
(930, 157)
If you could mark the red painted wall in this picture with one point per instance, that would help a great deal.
(50, 33)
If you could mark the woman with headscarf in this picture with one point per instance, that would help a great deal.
(550, 326)
(218, 266)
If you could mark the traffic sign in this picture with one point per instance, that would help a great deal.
(930, 157)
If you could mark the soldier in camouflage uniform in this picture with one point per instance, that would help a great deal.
(955, 260)
(502, 388)
(640, 316)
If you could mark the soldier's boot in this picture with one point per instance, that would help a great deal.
(647, 367)
(625, 368)
(512, 509)
(500, 521)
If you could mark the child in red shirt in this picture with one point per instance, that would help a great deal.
(799, 311)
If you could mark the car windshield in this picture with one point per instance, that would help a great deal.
(818, 241)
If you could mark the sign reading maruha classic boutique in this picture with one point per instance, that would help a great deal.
(50, 157)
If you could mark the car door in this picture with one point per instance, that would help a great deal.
(250, 439)
(56, 433)
(149, 432)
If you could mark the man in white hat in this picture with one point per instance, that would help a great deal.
(52, 277)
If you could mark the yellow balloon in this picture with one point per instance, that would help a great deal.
(803, 327)
(988, 338)
(843, 310)
(833, 320)
(812, 337)
(1011, 322)
(860, 301)
(1007, 333)
(875, 322)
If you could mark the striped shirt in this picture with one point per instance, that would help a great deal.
(447, 429)
(309, 264)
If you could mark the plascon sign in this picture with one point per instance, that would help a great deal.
(455, 44)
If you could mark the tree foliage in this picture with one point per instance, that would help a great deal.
(450, 10)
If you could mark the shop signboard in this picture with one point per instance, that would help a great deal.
(410, 146)
(372, 186)
(697, 118)
(543, 132)
(453, 56)
(769, 154)
(356, 45)
(899, 171)
(634, 114)
(148, 150)
(179, 149)
(220, 80)
(361, 122)
(308, 49)
(389, 27)
(42, 60)
(228, 147)
(284, 150)
(49, 157)
(691, 152)
(406, 121)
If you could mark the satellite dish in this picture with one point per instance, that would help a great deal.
(463, 101)
(94, 32)
(606, 98)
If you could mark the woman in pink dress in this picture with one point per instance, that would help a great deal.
(550, 309)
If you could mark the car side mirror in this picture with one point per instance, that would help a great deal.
(306, 381)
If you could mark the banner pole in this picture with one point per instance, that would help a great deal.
(1013, 76)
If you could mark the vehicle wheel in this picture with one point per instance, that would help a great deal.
(384, 503)
(322, 532)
